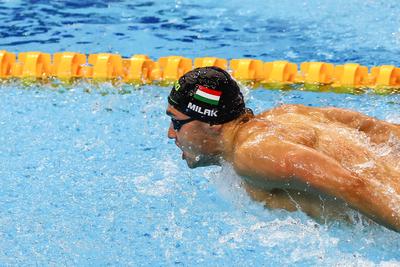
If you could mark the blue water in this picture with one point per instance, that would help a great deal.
(88, 177)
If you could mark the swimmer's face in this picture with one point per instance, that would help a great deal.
(196, 139)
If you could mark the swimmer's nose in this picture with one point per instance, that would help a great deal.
(171, 132)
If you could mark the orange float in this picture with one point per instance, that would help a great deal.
(279, 72)
(7, 60)
(137, 69)
(33, 65)
(317, 72)
(247, 69)
(210, 61)
(105, 66)
(68, 65)
(171, 68)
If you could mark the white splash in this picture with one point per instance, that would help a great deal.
(245, 91)
(145, 186)
(229, 185)
(159, 188)
(393, 118)
(360, 168)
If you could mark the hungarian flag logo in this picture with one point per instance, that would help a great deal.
(207, 95)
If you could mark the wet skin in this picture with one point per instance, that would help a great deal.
(313, 159)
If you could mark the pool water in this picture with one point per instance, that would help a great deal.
(88, 176)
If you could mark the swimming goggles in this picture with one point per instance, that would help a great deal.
(177, 124)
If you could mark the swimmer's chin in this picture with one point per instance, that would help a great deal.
(192, 164)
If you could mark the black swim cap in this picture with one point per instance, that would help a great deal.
(208, 94)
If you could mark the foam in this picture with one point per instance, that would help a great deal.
(277, 230)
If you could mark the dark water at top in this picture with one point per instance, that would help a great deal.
(367, 32)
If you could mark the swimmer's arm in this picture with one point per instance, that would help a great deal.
(278, 162)
(315, 206)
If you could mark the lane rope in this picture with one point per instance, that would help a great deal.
(141, 69)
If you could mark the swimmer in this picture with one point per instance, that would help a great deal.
(293, 156)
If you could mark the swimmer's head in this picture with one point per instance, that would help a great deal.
(208, 94)
(199, 104)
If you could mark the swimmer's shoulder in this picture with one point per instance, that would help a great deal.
(268, 121)
(287, 109)
(250, 129)
(301, 113)
(282, 124)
